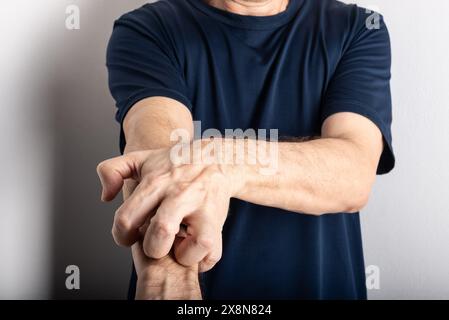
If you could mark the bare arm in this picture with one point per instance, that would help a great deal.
(148, 126)
(328, 175)
(332, 174)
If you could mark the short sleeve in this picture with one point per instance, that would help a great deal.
(361, 82)
(142, 63)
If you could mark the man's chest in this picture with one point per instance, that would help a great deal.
(240, 86)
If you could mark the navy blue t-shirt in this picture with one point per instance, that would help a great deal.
(289, 71)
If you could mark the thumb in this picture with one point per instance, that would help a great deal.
(115, 171)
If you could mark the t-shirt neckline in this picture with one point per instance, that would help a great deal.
(249, 22)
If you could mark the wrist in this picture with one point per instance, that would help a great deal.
(167, 292)
(237, 178)
(238, 162)
(163, 284)
(231, 158)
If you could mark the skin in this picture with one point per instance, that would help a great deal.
(251, 8)
(157, 278)
(333, 173)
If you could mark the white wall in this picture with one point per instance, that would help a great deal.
(406, 225)
(57, 124)
(26, 166)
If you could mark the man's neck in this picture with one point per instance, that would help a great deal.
(251, 7)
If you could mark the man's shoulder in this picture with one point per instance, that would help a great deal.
(343, 22)
(337, 13)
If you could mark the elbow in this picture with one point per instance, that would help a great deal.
(342, 204)
(356, 203)
(357, 197)
(347, 198)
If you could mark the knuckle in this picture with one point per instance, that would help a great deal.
(116, 236)
(162, 229)
(118, 239)
(212, 260)
(207, 264)
(122, 222)
(101, 167)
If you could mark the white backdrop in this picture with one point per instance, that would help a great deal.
(57, 123)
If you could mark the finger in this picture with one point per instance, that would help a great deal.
(113, 172)
(133, 213)
(139, 257)
(197, 245)
(166, 224)
(211, 259)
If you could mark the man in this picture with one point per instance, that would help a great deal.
(308, 68)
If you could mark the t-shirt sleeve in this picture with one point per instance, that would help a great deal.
(361, 82)
(142, 63)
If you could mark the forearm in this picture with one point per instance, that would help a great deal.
(327, 175)
(324, 175)
(148, 126)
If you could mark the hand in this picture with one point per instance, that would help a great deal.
(163, 278)
(194, 195)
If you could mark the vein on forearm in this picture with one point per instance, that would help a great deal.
(317, 176)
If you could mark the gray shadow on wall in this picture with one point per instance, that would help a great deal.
(85, 133)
